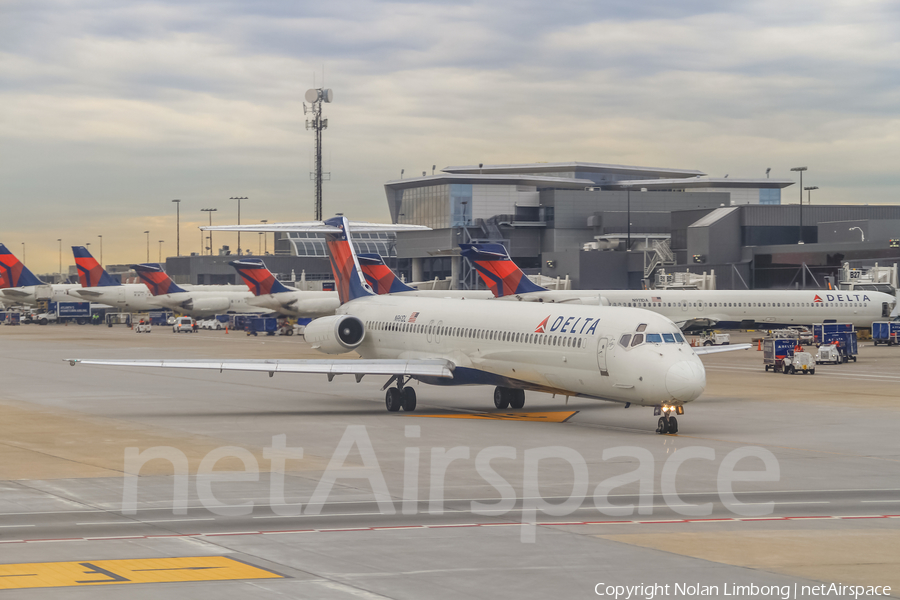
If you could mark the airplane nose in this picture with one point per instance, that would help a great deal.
(686, 380)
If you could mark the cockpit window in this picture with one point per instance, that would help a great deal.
(654, 338)
(679, 338)
(623, 341)
(638, 339)
(668, 338)
(642, 327)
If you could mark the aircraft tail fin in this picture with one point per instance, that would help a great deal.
(497, 269)
(90, 272)
(13, 273)
(380, 276)
(258, 278)
(156, 280)
(348, 276)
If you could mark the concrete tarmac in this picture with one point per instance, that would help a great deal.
(432, 503)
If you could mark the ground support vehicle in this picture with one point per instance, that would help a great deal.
(118, 319)
(265, 325)
(183, 324)
(65, 312)
(846, 343)
(142, 327)
(830, 354)
(820, 330)
(783, 355)
(10, 318)
(886, 332)
(158, 317)
(710, 338)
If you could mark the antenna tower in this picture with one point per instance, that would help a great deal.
(316, 97)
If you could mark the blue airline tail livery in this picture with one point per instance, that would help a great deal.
(258, 278)
(156, 280)
(380, 276)
(497, 271)
(90, 272)
(14, 273)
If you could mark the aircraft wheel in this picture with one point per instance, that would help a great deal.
(392, 399)
(408, 399)
(673, 425)
(518, 399)
(662, 426)
(501, 398)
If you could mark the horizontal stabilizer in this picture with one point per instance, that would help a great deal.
(319, 227)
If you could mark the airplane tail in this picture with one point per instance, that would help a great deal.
(13, 273)
(90, 272)
(497, 270)
(156, 280)
(380, 276)
(348, 276)
(258, 278)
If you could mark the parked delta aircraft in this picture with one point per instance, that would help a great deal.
(625, 355)
(98, 286)
(271, 294)
(20, 286)
(274, 295)
(195, 302)
(725, 309)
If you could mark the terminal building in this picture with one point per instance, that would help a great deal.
(601, 226)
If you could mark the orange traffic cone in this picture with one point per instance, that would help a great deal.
(760, 345)
(226, 330)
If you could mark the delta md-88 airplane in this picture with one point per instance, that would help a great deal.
(725, 309)
(625, 355)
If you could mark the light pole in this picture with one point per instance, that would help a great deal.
(265, 239)
(60, 259)
(23, 252)
(177, 227)
(148, 245)
(239, 198)
(160, 251)
(101, 249)
(210, 211)
(809, 190)
(800, 170)
(259, 243)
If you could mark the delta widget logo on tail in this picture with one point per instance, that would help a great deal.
(562, 325)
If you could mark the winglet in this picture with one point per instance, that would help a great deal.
(156, 280)
(258, 278)
(348, 277)
(13, 273)
(497, 269)
(90, 272)
(380, 276)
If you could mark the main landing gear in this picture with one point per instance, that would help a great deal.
(508, 398)
(401, 396)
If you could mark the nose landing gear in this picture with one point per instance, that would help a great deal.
(667, 424)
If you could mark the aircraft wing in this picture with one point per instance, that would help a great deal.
(702, 322)
(318, 227)
(715, 349)
(331, 367)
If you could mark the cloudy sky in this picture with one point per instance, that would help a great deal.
(111, 109)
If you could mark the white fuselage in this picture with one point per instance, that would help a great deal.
(565, 349)
(737, 308)
(318, 304)
(206, 303)
(32, 294)
(128, 296)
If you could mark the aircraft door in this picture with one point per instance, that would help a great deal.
(886, 309)
(602, 350)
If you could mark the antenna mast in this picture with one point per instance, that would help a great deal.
(316, 97)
